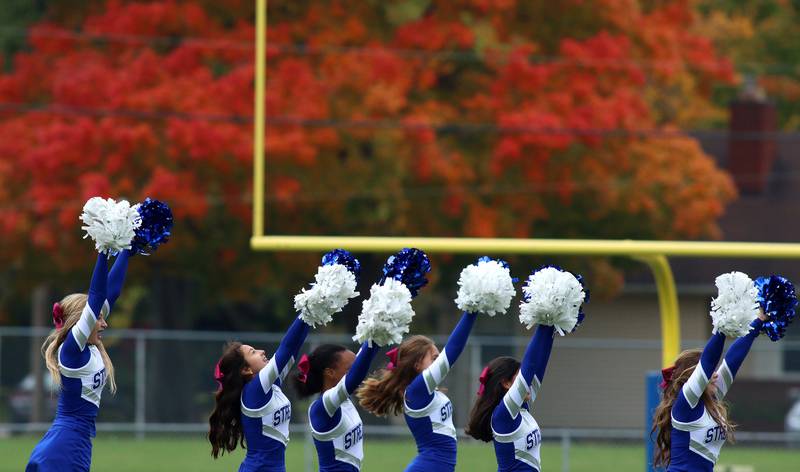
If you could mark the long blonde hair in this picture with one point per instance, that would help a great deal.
(383, 395)
(685, 364)
(73, 307)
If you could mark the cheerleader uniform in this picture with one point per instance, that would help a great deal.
(429, 413)
(335, 424)
(696, 438)
(67, 445)
(266, 411)
(517, 437)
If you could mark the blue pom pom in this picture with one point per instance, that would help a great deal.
(345, 258)
(581, 314)
(156, 226)
(777, 298)
(408, 266)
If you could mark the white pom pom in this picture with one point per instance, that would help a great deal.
(735, 306)
(385, 316)
(334, 287)
(110, 224)
(485, 287)
(553, 298)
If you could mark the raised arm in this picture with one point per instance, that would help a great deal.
(685, 407)
(420, 392)
(735, 357)
(531, 372)
(116, 278)
(290, 345)
(72, 351)
(332, 399)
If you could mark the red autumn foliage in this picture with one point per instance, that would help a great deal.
(463, 118)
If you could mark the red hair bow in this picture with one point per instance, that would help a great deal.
(218, 375)
(304, 366)
(392, 354)
(58, 315)
(482, 379)
(666, 376)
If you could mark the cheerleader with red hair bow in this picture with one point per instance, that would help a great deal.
(74, 351)
(410, 383)
(507, 388)
(335, 372)
(691, 422)
(250, 405)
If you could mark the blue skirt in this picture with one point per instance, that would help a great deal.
(62, 449)
(429, 464)
(257, 461)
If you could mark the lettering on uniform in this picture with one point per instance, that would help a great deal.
(533, 439)
(353, 437)
(446, 411)
(716, 433)
(284, 414)
(99, 379)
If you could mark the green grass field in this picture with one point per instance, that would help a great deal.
(123, 454)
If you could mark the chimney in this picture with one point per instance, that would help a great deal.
(751, 145)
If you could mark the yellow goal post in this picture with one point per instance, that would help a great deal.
(654, 254)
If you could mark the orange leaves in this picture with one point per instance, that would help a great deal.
(477, 117)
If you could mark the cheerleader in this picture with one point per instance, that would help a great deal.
(80, 366)
(692, 419)
(502, 411)
(250, 406)
(410, 382)
(552, 299)
(335, 372)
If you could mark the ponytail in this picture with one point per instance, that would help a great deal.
(685, 365)
(225, 423)
(499, 370)
(383, 395)
(323, 357)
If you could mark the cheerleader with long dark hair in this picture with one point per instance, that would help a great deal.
(410, 383)
(507, 389)
(250, 406)
(691, 422)
(334, 372)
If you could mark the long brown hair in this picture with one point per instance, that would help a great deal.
(225, 423)
(73, 306)
(685, 364)
(383, 395)
(500, 369)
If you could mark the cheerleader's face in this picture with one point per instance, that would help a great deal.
(426, 361)
(343, 364)
(256, 359)
(97, 333)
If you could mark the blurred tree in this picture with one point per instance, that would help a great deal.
(466, 117)
(761, 37)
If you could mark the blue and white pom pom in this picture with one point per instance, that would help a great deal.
(485, 287)
(387, 313)
(408, 266)
(334, 286)
(735, 306)
(777, 297)
(156, 227)
(111, 224)
(552, 297)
